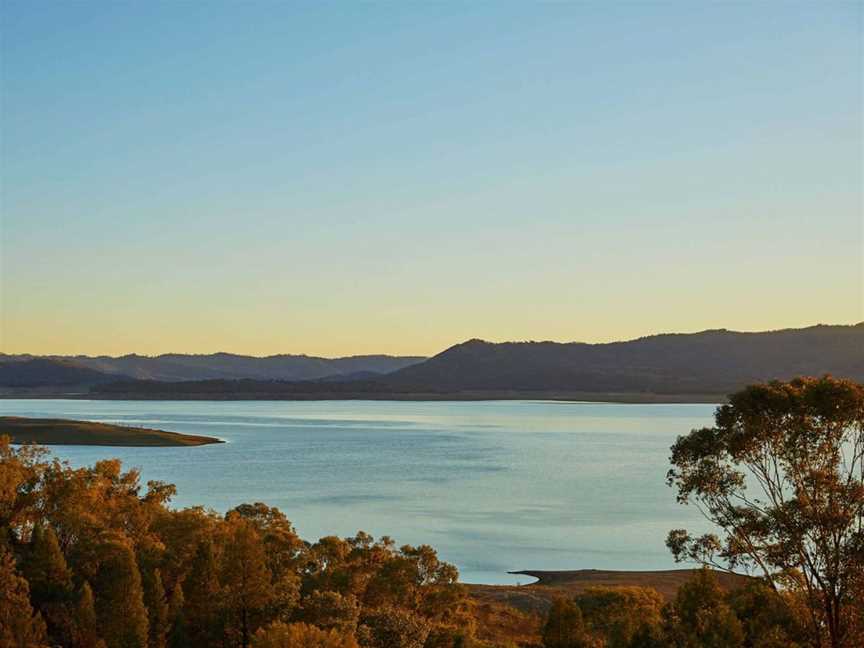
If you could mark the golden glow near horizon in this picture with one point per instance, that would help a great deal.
(265, 331)
(430, 180)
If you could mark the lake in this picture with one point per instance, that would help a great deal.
(493, 485)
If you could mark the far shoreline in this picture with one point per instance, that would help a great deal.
(478, 396)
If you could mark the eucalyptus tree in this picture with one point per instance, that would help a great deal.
(781, 474)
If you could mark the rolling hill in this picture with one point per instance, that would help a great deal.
(180, 367)
(45, 372)
(699, 366)
(717, 361)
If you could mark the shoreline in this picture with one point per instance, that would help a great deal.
(537, 597)
(66, 432)
(478, 396)
(612, 577)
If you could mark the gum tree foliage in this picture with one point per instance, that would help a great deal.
(565, 627)
(301, 635)
(90, 558)
(618, 614)
(782, 475)
(700, 617)
(20, 625)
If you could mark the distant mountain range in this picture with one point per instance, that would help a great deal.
(673, 366)
(75, 373)
(697, 366)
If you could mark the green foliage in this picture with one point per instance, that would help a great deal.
(700, 616)
(119, 595)
(393, 628)
(248, 587)
(301, 635)
(648, 636)
(50, 580)
(782, 475)
(178, 635)
(45, 567)
(616, 614)
(20, 625)
(86, 633)
(769, 619)
(565, 627)
(331, 610)
(157, 609)
(189, 578)
(202, 609)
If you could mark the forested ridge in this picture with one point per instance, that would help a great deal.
(704, 366)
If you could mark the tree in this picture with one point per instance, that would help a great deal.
(300, 635)
(770, 619)
(284, 548)
(565, 627)
(331, 610)
(782, 475)
(21, 472)
(45, 566)
(247, 581)
(20, 625)
(700, 618)
(157, 609)
(178, 636)
(616, 614)
(119, 595)
(86, 627)
(648, 636)
(393, 628)
(201, 596)
(50, 580)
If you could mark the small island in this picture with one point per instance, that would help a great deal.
(66, 432)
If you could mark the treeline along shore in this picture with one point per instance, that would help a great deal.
(292, 391)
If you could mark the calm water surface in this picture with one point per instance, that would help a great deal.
(494, 486)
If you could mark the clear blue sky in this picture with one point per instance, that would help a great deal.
(267, 177)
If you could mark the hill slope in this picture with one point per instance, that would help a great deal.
(44, 372)
(717, 361)
(698, 367)
(180, 367)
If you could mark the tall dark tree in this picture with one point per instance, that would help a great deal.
(119, 596)
(45, 566)
(782, 475)
(769, 619)
(178, 636)
(86, 627)
(20, 625)
(157, 609)
(247, 580)
(50, 579)
(393, 628)
(202, 598)
(699, 617)
(565, 627)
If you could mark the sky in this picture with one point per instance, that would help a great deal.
(347, 178)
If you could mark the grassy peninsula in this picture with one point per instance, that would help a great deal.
(66, 432)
